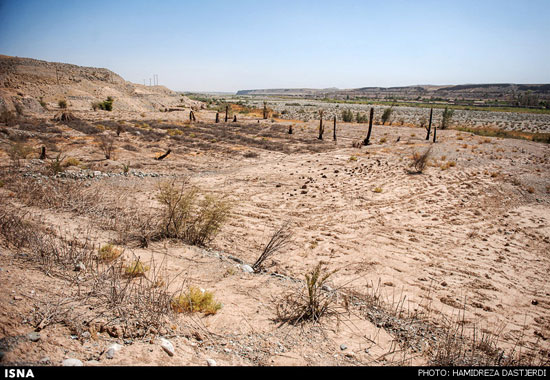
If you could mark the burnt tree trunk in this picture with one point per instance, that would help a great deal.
(226, 113)
(192, 116)
(290, 129)
(217, 117)
(430, 125)
(234, 118)
(334, 130)
(265, 110)
(321, 128)
(435, 130)
(367, 140)
(43, 153)
(160, 158)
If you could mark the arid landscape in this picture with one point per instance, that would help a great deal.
(138, 236)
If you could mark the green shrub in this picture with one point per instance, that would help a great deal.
(347, 116)
(106, 105)
(386, 116)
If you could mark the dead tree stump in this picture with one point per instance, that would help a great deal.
(321, 127)
(192, 116)
(334, 130)
(217, 117)
(226, 113)
(43, 153)
(430, 125)
(367, 139)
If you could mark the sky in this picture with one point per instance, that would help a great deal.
(229, 45)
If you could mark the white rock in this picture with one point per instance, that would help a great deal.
(247, 268)
(167, 346)
(211, 362)
(72, 363)
(112, 350)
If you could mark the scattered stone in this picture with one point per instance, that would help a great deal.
(112, 350)
(167, 346)
(211, 362)
(343, 347)
(71, 362)
(45, 360)
(33, 336)
(247, 268)
(534, 302)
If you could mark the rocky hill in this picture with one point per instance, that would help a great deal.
(30, 86)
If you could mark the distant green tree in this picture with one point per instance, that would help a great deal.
(347, 116)
(386, 116)
(446, 118)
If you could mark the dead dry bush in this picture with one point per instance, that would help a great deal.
(189, 215)
(419, 161)
(107, 145)
(279, 240)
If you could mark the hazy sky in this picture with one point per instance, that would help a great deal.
(227, 45)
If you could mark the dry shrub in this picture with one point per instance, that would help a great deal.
(106, 144)
(196, 300)
(312, 303)
(18, 151)
(109, 253)
(188, 217)
(8, 117)
(56, 165)
(64, 117)
(279, 240)
(420, 161)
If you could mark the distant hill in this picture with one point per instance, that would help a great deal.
(25, 83)
(530, 94)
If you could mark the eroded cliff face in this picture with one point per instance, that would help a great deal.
(32, 86)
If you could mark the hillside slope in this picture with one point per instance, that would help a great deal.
(25, 82)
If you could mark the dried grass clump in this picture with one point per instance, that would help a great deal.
(64, 116)
(109, 253)
(18, 151)
(71, 161)
(312, 303)
(196, 301)
(188, 216)
(136, 269)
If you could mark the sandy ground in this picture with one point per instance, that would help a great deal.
(469, 238)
